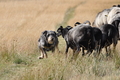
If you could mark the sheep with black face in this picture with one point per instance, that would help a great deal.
(77, 37)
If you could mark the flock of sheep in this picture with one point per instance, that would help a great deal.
(104, 31)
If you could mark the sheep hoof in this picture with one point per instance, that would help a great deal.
(40, 57)
(83, 54)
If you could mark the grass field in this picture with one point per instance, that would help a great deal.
(21, 23)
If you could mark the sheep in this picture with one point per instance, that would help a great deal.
(109, 36)
(97, 35)
(79, 36)
(101, 18)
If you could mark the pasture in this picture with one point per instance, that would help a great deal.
(21, 23)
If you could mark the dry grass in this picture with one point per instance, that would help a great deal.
(21, 23)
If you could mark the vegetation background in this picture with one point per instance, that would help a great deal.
(21, 23)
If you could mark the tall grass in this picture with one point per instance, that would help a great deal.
(20, 28)
(12, 61)
(84, 68)
(25, 66)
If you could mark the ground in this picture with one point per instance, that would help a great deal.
(21, 23)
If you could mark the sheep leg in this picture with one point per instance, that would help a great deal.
(42, 54)
(46, 55)
(83, 52)
(115, 41)
(67, 47)
(99, 47)
(107, 51)
(76, 52)
(90, 52)
(57, 49)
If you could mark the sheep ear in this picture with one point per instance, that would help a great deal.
(114, 6)
(44, 33)
(87, 22)
(61, 26)
(77, 23)
(118, 5)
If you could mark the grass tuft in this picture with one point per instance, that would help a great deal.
(19, 61)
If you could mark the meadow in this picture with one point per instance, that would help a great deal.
(21, 23)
